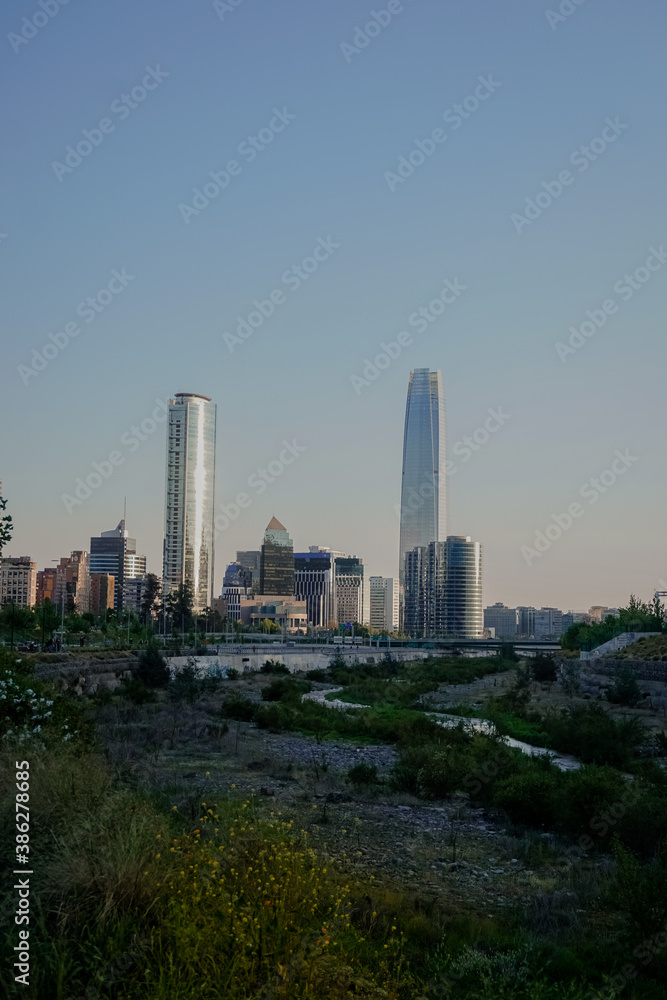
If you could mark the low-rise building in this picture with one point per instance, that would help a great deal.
(503, 620)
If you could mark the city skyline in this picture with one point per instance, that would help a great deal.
(345, 248)
(176, 412)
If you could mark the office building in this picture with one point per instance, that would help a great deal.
(46, 584)
(115, 553)
(503, 620)
(315, 583)
(102, 592)
(73, 582)
(598, 612)
(134, 591)
(425, 591)
(575, 618)
(237, 575)
(548, 623)
(233, 598)
(352, 592)
(383, 602)
(190, 497)
(18, 581)
(423, 498)
(277, 562)
(251, 560)
(525, 622)
(463, 589)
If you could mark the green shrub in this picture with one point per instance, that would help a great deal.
(532, 796)
(239, 708)
(136, 690)
(276, 717)
(363, 774)
(316, 675)
(443, 773)
(285, 689)
(274, 667)
(625, 690)
(590, 733)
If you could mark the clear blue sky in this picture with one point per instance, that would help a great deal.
(324, 176)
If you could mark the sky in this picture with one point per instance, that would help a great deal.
(334, 127)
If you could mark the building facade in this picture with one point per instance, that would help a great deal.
(233, 598)
(315, 583)
(383, 603)
(188, 556)
(290, 615)
(463, 591)
(46, 584)
(423, 495)
(503, 620)
(352, 592)
(252, 560)
(73, 582)
(115, 553)
(525, 621)
(277, 561)
(102, 592)
(18, 581)
(425, 583)
(237, 575)
(548, 623)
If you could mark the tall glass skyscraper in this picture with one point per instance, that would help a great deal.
(423, 482)
(190, 497)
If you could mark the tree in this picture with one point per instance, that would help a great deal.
(47, 619)
(150, 598)
(544, 668)
(152, 668)
(270, 626)
(179, 606)
(6, 525)
(625, 690)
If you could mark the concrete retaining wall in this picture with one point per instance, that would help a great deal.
(297, 660)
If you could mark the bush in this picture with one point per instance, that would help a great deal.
(531, 797)
(625, 690)
(544, 669)
(285, 689)
(442, 774)
(276, 718)
(239, 708)
(231, 674)
(316, 675)
(136, 690)
(363, 774)
(185, 686)
(152, 668)
(274, 667)
(590, 733)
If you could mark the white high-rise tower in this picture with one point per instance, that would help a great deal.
(190, 497)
